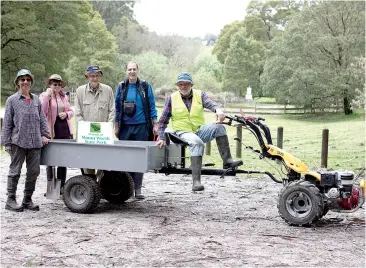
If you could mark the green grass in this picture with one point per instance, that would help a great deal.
(303, 138)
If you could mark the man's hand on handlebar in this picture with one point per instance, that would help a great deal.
(160, 143)
(220, 116)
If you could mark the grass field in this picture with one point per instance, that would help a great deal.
(302, 137)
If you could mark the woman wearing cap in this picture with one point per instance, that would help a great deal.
(25, 131)
(58, 115)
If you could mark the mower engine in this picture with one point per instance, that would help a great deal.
(340, 193)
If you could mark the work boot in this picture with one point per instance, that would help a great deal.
(196, 166)
(11, 204)
(28, 204)
(137, 179)
(224, 150)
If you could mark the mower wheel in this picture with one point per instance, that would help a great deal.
(300, 203)
(81, 194)
(116, 187)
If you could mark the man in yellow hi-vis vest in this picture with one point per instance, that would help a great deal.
(185, 108)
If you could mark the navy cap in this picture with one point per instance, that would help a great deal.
(93, 69)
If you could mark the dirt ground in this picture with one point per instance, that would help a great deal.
(233, 223)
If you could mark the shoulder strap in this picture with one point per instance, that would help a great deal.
(124, 90)
(145, 87)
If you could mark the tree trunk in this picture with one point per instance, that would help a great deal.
(347, 106)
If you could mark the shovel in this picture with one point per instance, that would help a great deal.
(54, 186)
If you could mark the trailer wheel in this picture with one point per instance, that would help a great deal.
(81, 194)
(300, 203)
(116, 187)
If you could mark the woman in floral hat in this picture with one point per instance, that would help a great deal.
(56, 107)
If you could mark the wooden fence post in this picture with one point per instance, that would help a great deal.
(324, 156)
(208, 148)
(280, 137)
(1, 129)
(239, 134)
(255, 107)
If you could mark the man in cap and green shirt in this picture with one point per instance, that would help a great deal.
(185, 108)
(94, 101)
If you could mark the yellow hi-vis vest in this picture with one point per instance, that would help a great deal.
(182, 120)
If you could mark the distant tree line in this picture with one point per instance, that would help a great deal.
(297, 51)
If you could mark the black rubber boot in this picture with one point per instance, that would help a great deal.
(11, 204)
(49, 173)
(61, 175)
(224, 150)
(49, 176)
(196, 166)
(137, 179)
(28, 203)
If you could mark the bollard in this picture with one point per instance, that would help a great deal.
(208, 148)
(325, 139)
(239, 133)
(280, 137)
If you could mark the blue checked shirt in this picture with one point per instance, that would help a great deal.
(24, 124)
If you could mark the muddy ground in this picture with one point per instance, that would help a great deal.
(233, 223)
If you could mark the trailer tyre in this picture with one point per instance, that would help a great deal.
(116, 187)
(300, 203)
(81, 194)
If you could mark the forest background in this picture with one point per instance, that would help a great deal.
(290, 51)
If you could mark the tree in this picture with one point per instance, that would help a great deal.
(113, 11)
(207, 71)
(243, 65)
(152, 66)
(98, 48)
(32, 38)
(319, 55)
(223, 42)
(264, 21)
(131, 37)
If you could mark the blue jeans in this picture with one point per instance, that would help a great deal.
(135, 133)
(206, 133)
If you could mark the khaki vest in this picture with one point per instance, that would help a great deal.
(182, 120)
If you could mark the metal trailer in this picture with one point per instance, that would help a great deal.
(113, 182)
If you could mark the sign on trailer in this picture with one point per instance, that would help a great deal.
(95, 132)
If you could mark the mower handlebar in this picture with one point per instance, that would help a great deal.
(243, 119)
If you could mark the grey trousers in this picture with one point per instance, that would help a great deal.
(32, 158)
(205, 134)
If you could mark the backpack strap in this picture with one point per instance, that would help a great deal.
(146, 101)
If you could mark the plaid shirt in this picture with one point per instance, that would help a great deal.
(167, 111)
(24, 124)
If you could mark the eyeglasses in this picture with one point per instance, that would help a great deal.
(25, 79)
(57, 84)
(183, 84)
(94, 75)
